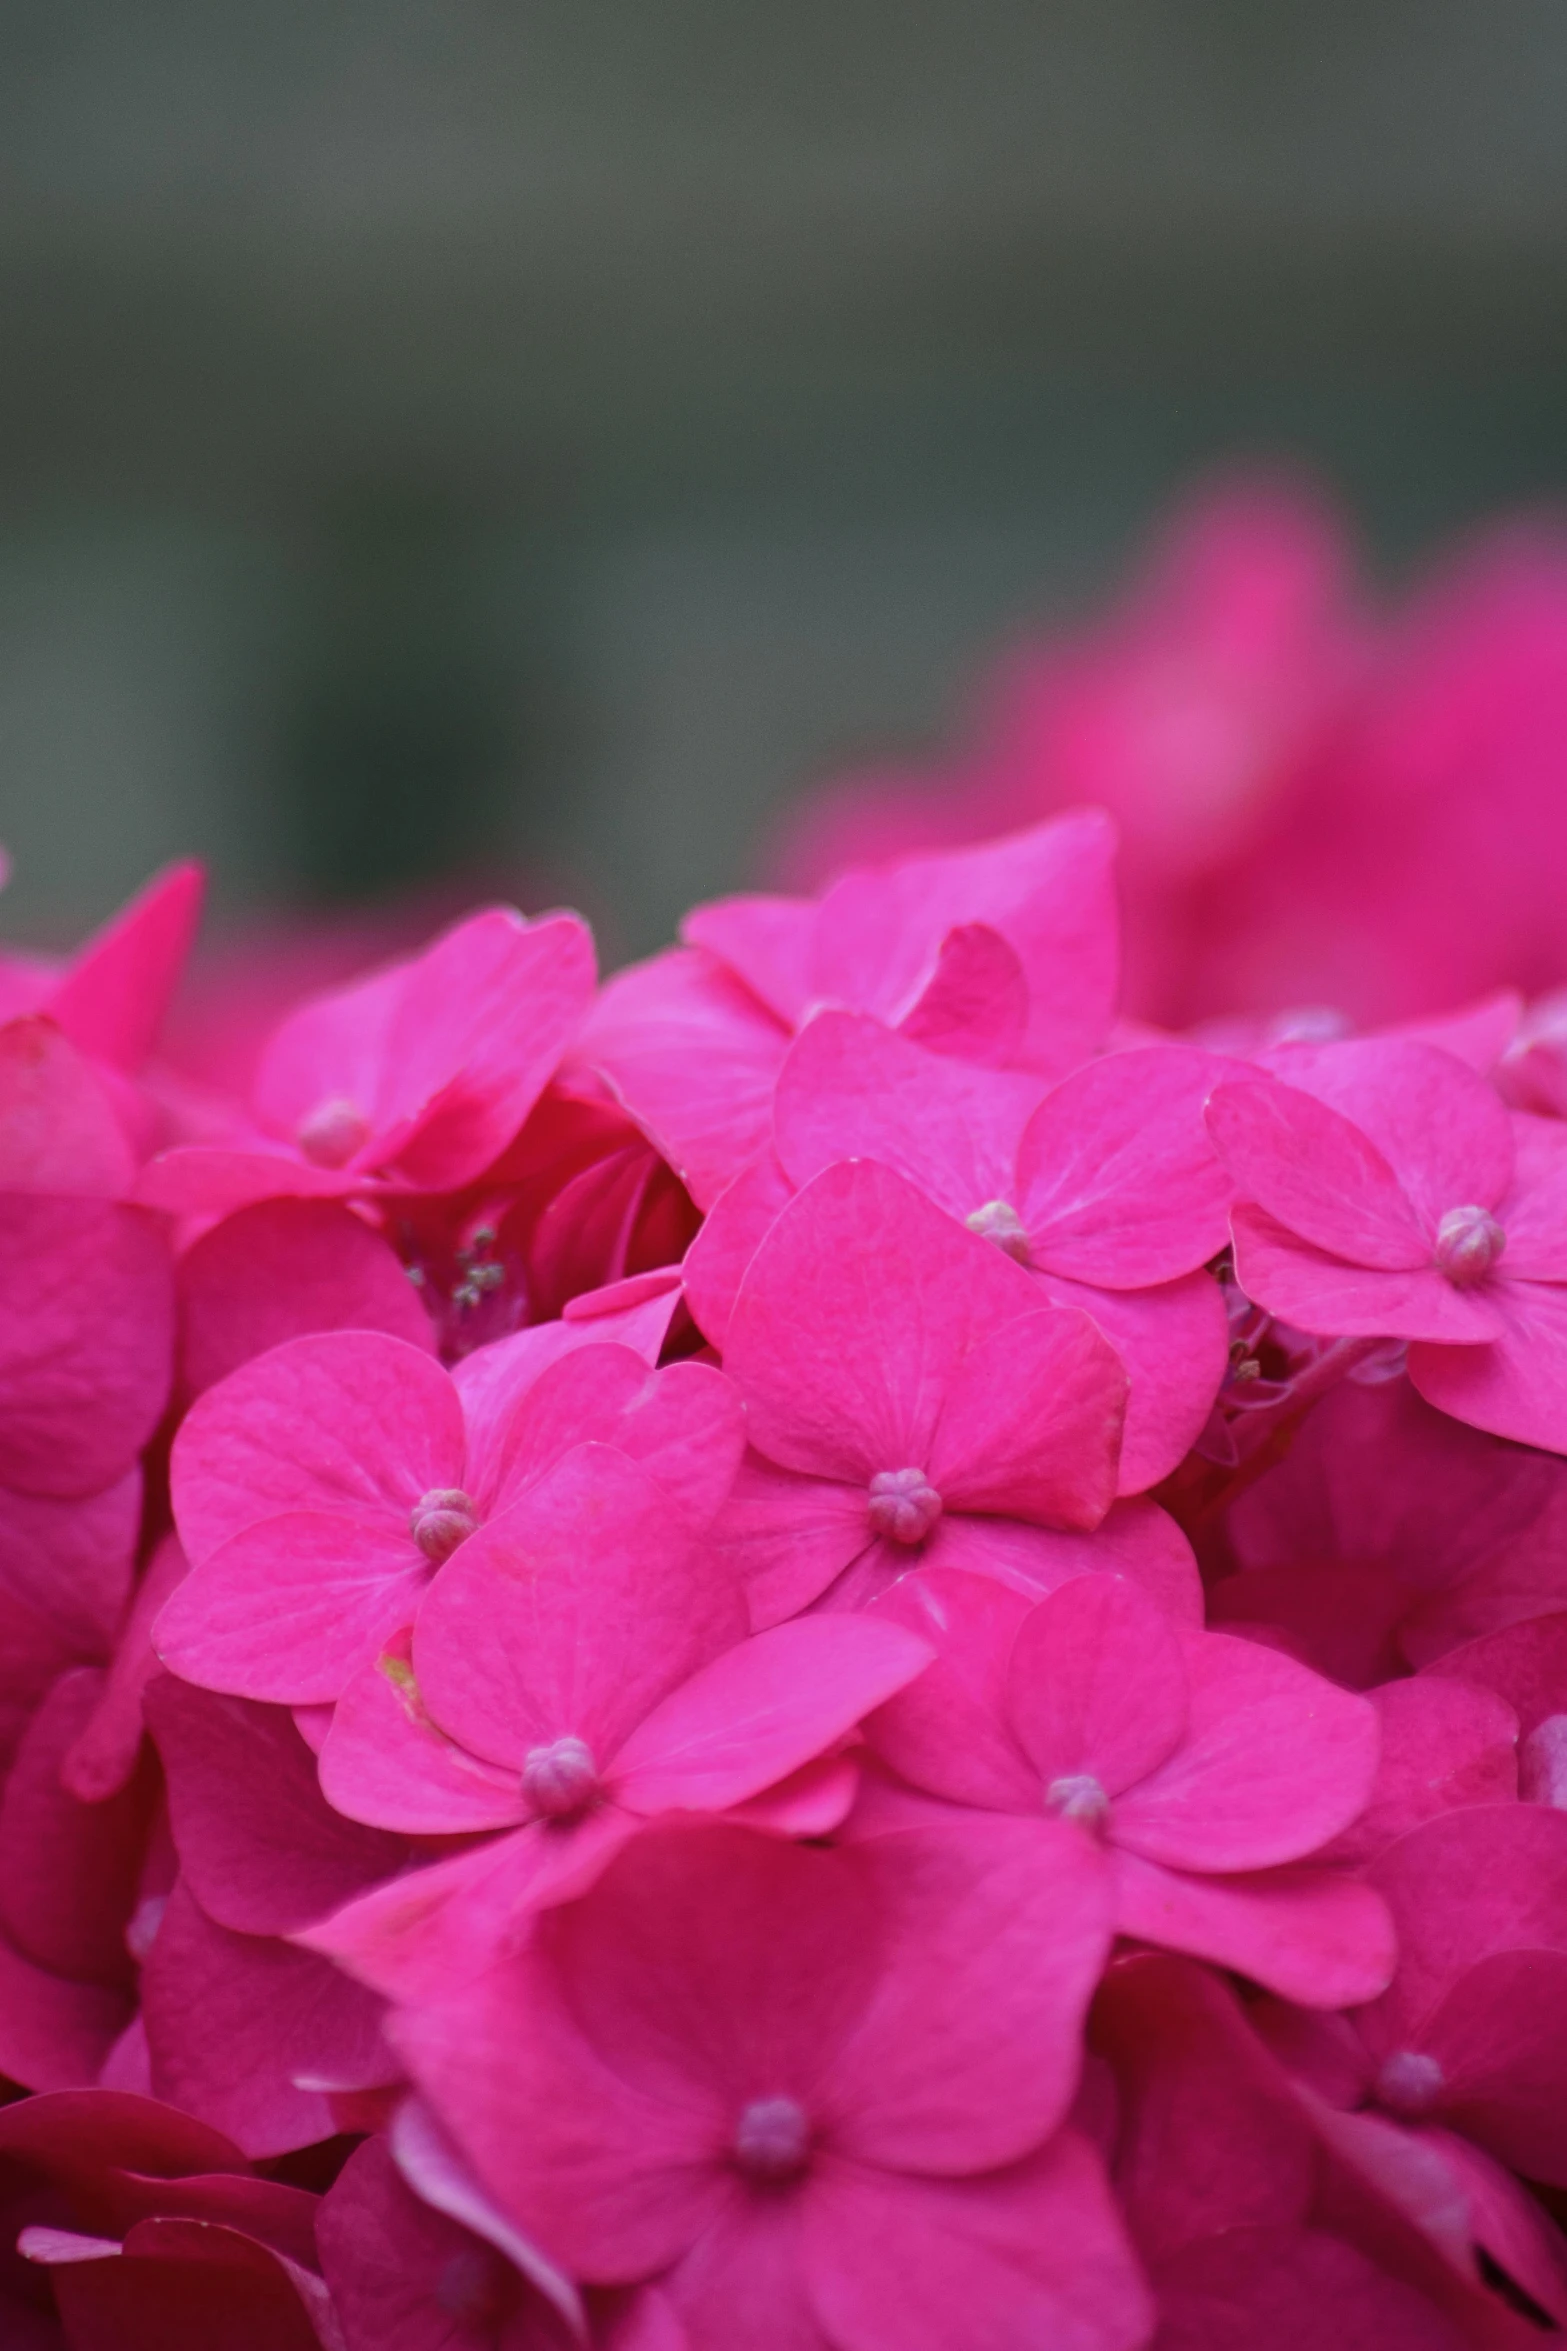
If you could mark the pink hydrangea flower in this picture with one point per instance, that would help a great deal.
(581, 1667)
(1004, 955)
(1194, 1767)
(111, 998)
(910, 1401)
(320, 1487)
(417, 1077)
(1385, 1191)
(818, 2095)
(1106, 1187)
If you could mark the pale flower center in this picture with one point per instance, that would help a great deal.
(1078, 1796)
(440, 1520)
(330, 1134)
(561, 1780)
(1468, 1243)
(903, 1505)
(772, 2139)
(998, 1221)
(1409, 2081)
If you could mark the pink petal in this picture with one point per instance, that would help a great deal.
(1036, 2254)
(975, 1005)
(853, 1089)
(859, 1385)
(1174, 1344)
(1439, 1124)
(694, 1058)
(787, 1538)
(280, 1270)
(1049, 891)
(384, 1761)
(112, 1000)
(86, 1340)
(68, 1870)
(948, 1732)
(210, 1180)
(762, 1711)
(1275, 1761)
(61, 1131)
(1532, 1214)
(105, 1751)
(968, 2051)
(1500, 2037)
(286, 1611)
(1296, 2290)
(1526, 1664)
(422, 1936)
(571, 1614)
(72, 1559)
(610, 2179)
(1490, 1878)
(736, 1226)
(1309, 1169)
(811, 1802)
(330, 1048)
(477, 1029)
(1303, 1285)
(342, 1421)
(236, 2021)
(54, 2033)
(1096, 1684)
(1517, 1387)
(1444, 1744)
(1137, 1540)
(1117, 1181)
(742, 2281)
(766, 942)
(261, 1849)
(1316, 1938)
(1031, 1423)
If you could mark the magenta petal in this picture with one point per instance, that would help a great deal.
(743, 2281)
(1117, 1181)
(1309, 1169)
(975, 1005)
(1525, 1663)
(236, 2022)
(766, 942)
(1035, 2255)
(112, 1000)
(1445, 1743)
(68, 1870)
(787, 1538)
(279, 1270)
(947, 1732)
(289, 1609)
(55, 2033)
(611, 2181)
(71, 1558)
(898, 1295)
(737, 1224)
(694, 1058)
(1031, 1424)
(1461, 1886)
(762, 1711)
(1174, 1343)
(1295, 2289)
(1317, 1292)
(686, 1427)
(262, 1849)
(997, 1931)
(61, 1131)
(86, 1340)
(572, 1613)
(343, 1421)
(1438, 1123)
(1532, 1214)
(1096, 1685)
(853, 1089)
(1516, 1387)
(1316, 1938)
(1274, 1762)
(1500, 2038)
(384, 1761)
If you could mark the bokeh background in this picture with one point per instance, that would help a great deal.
(450, 446)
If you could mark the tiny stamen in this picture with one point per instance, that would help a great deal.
(561, 1780)
(903, 1505)
(1409, 2081)
(1468, 1243)
(330, 1134)
(1078, 1796)
(440, 1520)
(772, 2139)
(1000, 1222)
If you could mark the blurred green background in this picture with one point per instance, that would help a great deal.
(513, 446)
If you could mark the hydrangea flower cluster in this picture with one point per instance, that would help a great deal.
(819, 1651)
